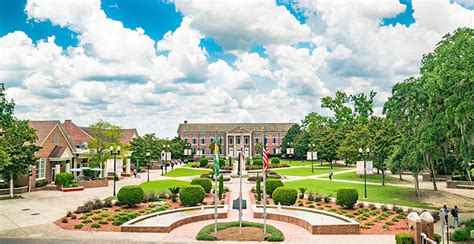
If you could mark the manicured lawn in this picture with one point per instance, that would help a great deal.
(190, 164)
(159, 186)
(179, 172)
(387, 194)
(376, 178)
(306, 171)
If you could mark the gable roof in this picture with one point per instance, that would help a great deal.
(226, 127)
(44, 128)
(126, 138)
(77, 135)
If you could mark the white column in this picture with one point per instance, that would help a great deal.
(127, 167)
(68, 166)
(105, 171)
(250, 146)
(57, 169)
(235, 146)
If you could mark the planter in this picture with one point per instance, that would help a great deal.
(94, 183)
(459, 184)
(16, 190)
(79, 188)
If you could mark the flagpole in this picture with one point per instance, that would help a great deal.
(264, 189)
(216, 189)
(240, 189)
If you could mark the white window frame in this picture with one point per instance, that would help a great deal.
(41, 169)
(274, 140)
(203, 140)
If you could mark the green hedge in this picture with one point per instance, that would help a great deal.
(41, 183)
(285, 196)
(130, 195)
(257, 161)
(271, 185)
(206, 233)
(461, 235)
(204, 182)
(203, 162)
(347, 197)
(64, 179)
(222, 162)
(275, 161)
(191, 195)
(403, 238)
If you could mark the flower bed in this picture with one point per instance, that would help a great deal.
(372, 220)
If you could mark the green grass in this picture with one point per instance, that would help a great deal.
(190, 164)
(297, 162)
(8, 197)
(159, 186)
(206, 233)
(180, 172)
(387, 194)
(306, 171)
(375, 178)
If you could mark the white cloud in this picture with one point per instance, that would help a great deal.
(238, 24)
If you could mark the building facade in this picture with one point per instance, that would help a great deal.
(233, 137)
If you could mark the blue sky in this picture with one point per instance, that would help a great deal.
(252, 61)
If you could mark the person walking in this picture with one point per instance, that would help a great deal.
(444, 215)
(454, 214)
(330, 174)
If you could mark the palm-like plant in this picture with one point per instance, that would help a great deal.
(174, 192)
(302, 190)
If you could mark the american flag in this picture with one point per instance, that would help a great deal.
(265, 153)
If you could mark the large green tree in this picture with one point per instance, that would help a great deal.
(17, 140)
(104, 135)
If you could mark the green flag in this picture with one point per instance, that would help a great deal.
(216, 158)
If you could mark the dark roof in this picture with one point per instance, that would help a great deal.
(42, 128)
(57, 152)
(127, 134)
(77, 135)
(226, 127)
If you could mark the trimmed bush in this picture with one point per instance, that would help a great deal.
(64, 179)
(437, 238)
(203, 162)
(41, 183)
(460, 235)
(347, 197)
(191, 195)
(131, 195)
(222, 162)
(221, 186)
(271, 185)
(285, 196)
(403, 238)
(204, 182)
(257, 161)
(275, 161)
(206, 233)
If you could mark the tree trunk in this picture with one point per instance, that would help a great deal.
(400, 173)
(11, 183)
(433, 178)
(417, 186)
(383, 177)
(330, 163)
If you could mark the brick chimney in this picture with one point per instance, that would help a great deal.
(185, 121)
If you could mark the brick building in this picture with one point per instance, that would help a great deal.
(233, 136)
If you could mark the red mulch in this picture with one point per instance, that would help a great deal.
(377, 228)
(209, 198)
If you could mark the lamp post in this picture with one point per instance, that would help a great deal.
(290, 150)
(361, 151)
(311, 148)
(148, 164)
(115, 153)
(165, 148)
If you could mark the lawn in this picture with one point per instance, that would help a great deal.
(159, 186)
(387, 194)
(376, 178)
(306, 171)
(180, 172)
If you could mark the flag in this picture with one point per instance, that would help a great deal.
(242, 157)
(265, 156)
(216, 158)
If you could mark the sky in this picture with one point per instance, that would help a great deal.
(151, 64)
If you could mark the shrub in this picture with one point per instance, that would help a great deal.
(206, 233)
(222, 162)
(258, 190)
(96, 226)
(271, 185)
(389, 223)
(191, 195)
(73, 216)
(403, 238)
(437, 238)
(460, 235)
(205, 183)
(150, 197)
(360, 204)
(257, 161)
(108, 202)
(130, 195)
(347, 197)
(203, 162)
(85, 221)
(78, 226)
(372, 206)
(64, 220)
(41, 183)
(384, 208)
(302, 190)
(327, 198)
(275, 161)
(285, 196)
(314, 197)
(64, 179)
(221, 186)
(103, 222)
(174, 192)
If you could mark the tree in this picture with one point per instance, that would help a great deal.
(290, 137)
(258, 148)
(17, 146)
(142, 145)
(384, 142)
(104, 135)
(359, 137)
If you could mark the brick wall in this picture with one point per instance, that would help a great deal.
(94, 183)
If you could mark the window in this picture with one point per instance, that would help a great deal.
(41, 169)
(220, 139)
(212, 139)
(238, 140)
(56, 139)
(231, 140)
(246, 140)
(274, 151)
(274, 139)
(203, 140)
(194, 140)
(256, 140)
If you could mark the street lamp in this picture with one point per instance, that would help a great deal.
(115, 153)
(163, 165)
(149, 164)
(290, 150)
(361, 151)
(311, 148)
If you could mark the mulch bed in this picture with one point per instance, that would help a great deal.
(379, 227)
(232, 234)
(140, 210)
